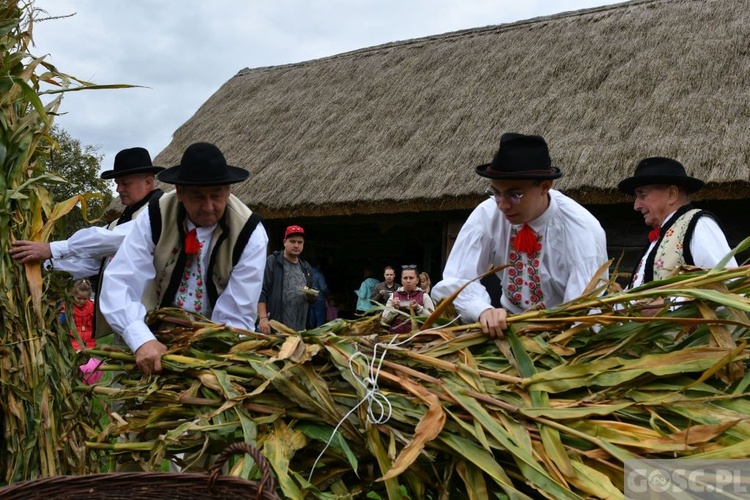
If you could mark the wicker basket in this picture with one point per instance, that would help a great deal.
(153, 485)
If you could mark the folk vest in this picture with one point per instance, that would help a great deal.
(101, 327)
(401, 323)
(168, 229)
(672, 250)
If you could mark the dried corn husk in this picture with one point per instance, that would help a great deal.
(552, 410)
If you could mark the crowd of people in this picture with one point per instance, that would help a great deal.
(200, 248)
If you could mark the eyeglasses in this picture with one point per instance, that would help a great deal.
(513, 198)
(409, 266)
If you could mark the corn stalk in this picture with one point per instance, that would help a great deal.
(553, 410)
(42, 418)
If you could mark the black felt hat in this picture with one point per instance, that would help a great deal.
(660, 170)
(520, 157)
(131, 161)
(203, 164)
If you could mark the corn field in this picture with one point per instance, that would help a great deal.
(42, 426)
(553, 410)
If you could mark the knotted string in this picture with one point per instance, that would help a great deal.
(192, 245)
(379, 409)
(526, 241)
(654, 234)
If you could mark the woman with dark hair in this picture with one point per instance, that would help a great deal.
(408, 300)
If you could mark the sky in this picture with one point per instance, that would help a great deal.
(180, 52)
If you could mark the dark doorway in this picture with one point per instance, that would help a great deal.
(345, 246)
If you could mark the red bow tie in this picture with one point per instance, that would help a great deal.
(526, 241)
(654, 234)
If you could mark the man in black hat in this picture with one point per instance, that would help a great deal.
(198, 247)
(552, 245)
(681, 234)
(87, 252)
(81, 254)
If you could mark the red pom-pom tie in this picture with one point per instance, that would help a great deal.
(192, 245)
(526, 241)
(654, 234)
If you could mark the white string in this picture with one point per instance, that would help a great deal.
(379, 409)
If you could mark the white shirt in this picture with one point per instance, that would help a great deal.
(708, 245)
(574, 247)
(81, 255)
(132, 268)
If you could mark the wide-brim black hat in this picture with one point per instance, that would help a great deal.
(129, 162)
(660, 170)
(520, 157)
(203, 164)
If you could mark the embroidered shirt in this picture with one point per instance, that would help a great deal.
(573, 248)
(132, 269)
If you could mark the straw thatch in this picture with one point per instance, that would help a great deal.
(400, 127)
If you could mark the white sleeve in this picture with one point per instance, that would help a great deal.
(708, 244)
(77, 267)
(91, 242)
(125, 280)
(428, 306)
(584, 266)
(469, 258)
(389, 312)
(238, 305)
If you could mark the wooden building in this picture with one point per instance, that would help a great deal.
(373, 151)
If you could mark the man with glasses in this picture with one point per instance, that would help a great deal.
(552, 245)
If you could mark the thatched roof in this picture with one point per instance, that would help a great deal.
(400, 127)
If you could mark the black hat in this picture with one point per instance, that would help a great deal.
(659, 170)
(520, 157)
(131, 161)
(203, 164)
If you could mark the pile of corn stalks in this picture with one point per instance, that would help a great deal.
(554, 409)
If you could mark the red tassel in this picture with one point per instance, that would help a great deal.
(654, 234)
(192, 245)
(526, 241)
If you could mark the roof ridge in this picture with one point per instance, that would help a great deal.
(493, 28)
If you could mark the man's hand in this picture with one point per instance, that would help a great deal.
(653, 307)
(493, 322)
(148, 356)
(30, 251)
(264, 326)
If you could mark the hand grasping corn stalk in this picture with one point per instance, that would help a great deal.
(554, 409)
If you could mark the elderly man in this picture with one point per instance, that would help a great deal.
(681, 234)
(552, 245)
(81, 254)
(198, 247)
(87, 252)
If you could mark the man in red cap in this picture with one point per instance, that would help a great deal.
(287, 285)
(552, 245)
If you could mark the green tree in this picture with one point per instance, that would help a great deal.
(79, 166)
